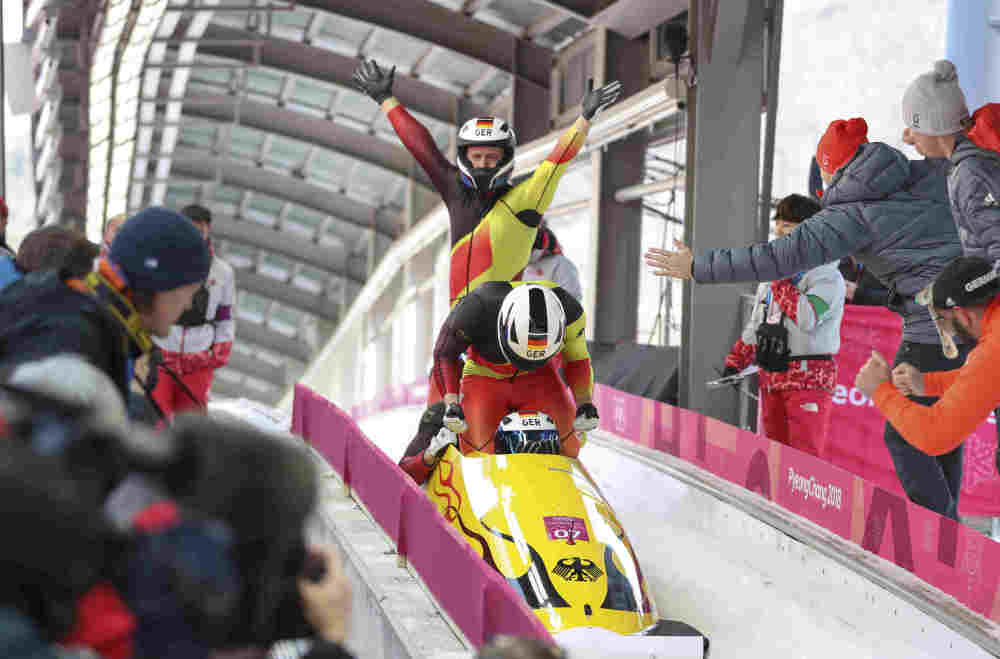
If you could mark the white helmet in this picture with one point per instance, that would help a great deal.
(531, 326)
(526, 432)
(486, 131)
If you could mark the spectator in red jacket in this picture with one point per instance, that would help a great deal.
(202, 338)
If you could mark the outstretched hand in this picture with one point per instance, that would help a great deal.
(370, 79)
(596, 100)
(678, 264)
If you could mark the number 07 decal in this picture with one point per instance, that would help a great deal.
(570, 529)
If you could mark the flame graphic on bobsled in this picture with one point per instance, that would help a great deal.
(541, 521)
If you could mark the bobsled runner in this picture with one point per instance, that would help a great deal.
(539, 519)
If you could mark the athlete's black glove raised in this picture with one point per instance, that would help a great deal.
(729, 370)
(454, 418)
(373, 81)
(595, 100)
(587, 418)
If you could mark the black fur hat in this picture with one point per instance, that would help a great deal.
(264, 488)
(59, 545)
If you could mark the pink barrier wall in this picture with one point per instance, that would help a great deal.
(476, 597)
(872, 513)
(857, 426)
(952, 557)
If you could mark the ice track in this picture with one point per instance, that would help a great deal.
(751, 588)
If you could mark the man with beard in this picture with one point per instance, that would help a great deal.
(964, 299)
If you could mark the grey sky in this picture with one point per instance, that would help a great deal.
(849, 59)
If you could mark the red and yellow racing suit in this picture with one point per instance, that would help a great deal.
(491, 386)
(491, 235)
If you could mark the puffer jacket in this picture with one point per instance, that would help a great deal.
(974, 189)
(891, 213)
(206, 341)
(41, 316)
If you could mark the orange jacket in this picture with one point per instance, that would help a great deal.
(967, 396)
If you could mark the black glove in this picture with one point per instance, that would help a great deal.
(587, 418)
(454, 418)
(373, 81)
(729, 370)
(595, 100)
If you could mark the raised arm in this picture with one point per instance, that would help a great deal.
(373, 81)
(535, 194)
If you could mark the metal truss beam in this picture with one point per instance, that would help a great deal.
(546, 24)
(274, 341)
(73, 84)
(201, 165)
(260, 369)
(455, 31)
(723, 153)
(320, 64)
(332, 259)
(298, 126)
(287, 294)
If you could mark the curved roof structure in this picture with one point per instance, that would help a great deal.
(247, 107)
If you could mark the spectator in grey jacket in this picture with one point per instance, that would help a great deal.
(892, 215)
(936, 119)
(938, 126)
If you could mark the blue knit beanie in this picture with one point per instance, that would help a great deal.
(158, 249)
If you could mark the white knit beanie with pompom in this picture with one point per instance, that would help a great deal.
(934, 104)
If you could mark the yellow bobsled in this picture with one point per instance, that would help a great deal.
(543, 524)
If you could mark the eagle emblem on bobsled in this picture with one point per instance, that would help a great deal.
(577, 569)
(540, 520)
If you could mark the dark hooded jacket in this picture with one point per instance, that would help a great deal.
(41, 316)
(974, 189)
(891, 213)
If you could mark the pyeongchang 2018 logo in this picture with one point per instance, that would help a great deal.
(826, 495)
(842, 395)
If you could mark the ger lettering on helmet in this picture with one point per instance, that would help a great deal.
(486, 131)
(531, 326)
(527, 432)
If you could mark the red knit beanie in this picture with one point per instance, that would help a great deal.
(840, 142)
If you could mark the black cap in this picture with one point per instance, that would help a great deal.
(197, 213)
(965, 282)
(796, 208)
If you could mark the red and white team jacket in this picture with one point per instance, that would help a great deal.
(207, 345)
